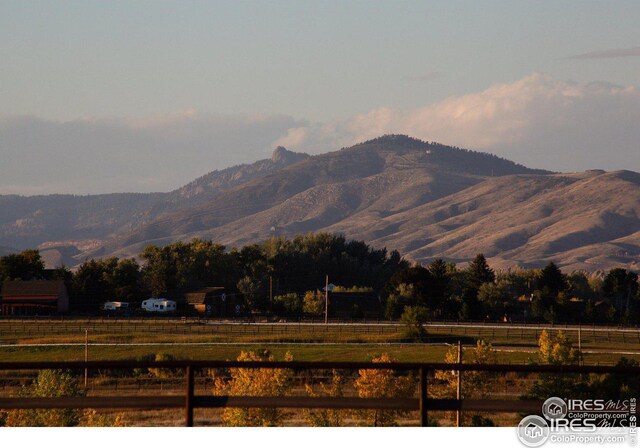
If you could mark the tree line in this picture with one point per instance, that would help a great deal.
(441, 290)
(293, 271)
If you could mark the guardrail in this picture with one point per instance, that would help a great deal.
(189, 401)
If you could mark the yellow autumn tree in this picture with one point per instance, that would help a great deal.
(326, 417)
(53, 384)
(474, 384)
(557, 350)
(256, 382)
(48, 384)
(381, 383)
(91, 418)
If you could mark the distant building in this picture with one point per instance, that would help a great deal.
(213, 301)
(330, 287)
(33, 297)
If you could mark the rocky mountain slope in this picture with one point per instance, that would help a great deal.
(62, 220)
(425, 199)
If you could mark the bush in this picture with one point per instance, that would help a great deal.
(289, 304)
(413, 319)
(165, 373)
(48, 384)
(313, 303)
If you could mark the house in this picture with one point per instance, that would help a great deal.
(33, 297)
(213, 301)
(330, 287)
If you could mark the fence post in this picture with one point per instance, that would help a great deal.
(189, 397)
(459, 384)
(86, 357)
(423, 397)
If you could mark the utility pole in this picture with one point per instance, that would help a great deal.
(459, 385)
(271, 294)
(326, 300)
(86, 357)
(579, 346)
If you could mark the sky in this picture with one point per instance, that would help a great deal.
(147, 95)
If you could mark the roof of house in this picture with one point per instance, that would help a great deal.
(32, 288)
(200, 295)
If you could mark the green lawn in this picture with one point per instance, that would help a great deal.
(307, 342)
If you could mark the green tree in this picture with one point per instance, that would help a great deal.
(479, 272)
(441, 279)
(26, 265)
(408, 287)
(403, 295)
(253, 292)
(90, 284)
(551, 280)
(125, 280)
(413, 318)
(620, 287)
(494, 298)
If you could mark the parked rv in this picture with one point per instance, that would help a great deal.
(159, 305)
(116, 307)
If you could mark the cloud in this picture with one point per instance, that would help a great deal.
(538, 120)
(91, 155)
(606, 54)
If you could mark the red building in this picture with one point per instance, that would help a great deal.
(31, 297)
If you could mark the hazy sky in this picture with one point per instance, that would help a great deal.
(146, 95)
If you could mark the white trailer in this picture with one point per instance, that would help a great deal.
(115, 307)
(159, 305)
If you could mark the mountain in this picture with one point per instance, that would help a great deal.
(585, 221)
(425, 199)
(85, 221)
(387, 175)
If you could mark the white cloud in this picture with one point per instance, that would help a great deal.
(537, 120)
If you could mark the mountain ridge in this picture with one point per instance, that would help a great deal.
(424, 199)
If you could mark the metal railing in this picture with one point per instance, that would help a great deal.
(189, 401)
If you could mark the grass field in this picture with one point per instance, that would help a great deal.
(43, 340)
(24, 340)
